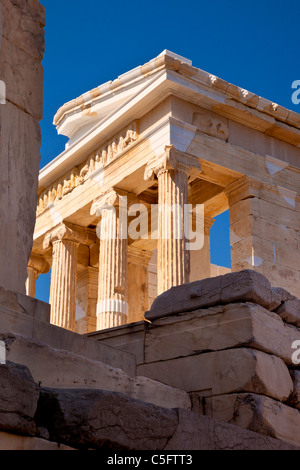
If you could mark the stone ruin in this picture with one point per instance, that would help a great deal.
(146, 345)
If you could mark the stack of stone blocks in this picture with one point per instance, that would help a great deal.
(231, 343)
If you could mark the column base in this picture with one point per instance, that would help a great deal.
(107, 320)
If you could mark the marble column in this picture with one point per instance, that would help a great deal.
(37, 265)
(112, 305)
(173, 170)
(65, 240)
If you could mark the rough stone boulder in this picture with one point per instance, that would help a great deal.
(243, 286)
(86, 419)
(289, 311)
(96, 418)
(18, 399)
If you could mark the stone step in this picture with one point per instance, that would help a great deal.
(58, 368)
(28, 323)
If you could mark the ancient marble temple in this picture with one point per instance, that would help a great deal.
(164, 134)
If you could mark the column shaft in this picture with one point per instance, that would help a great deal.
(32, 275)
(173, 258)
(112, 308)
(63, 284)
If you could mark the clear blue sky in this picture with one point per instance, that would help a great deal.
(252, 44)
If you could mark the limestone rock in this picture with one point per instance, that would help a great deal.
(23, 304)
(196, 432)
(61, 369)
(258, 413)
(19, 164)
(18, 399)
(95, 419)
(289, 311)
(228, 371)
(243, 286)
(217, 328)
(9, 300)
(294, 399)
(23, 77)
(21, 50)
(22, 25)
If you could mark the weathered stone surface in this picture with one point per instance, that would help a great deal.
(258, 413)
(221, 372)
(22, 324)
(217, 328)
(289, 311)
(196, 432)
(61, 369)
(18, 399)
(37, 309)
(21, 50)
(19, 164)
(151, 391)
(2, 353)
(294, 399)
(9, 300)
(96, 419)
(22, 25)
(243, 286)
(10, 441)
(23, 77)
(126, 338)
(23, 304)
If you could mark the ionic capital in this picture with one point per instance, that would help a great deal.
(172, 159)
(38, 263)
(70, 232)
(117, 198)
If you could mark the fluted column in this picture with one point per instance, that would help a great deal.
(37, 265)
(65, 241)
(112, 306)
(172, 169)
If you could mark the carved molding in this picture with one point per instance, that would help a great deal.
(172, 159)
(78, 175)
(211, 125)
